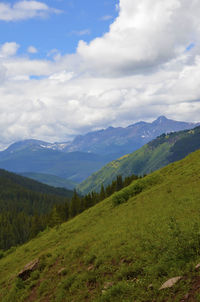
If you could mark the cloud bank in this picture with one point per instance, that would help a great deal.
(144, 66)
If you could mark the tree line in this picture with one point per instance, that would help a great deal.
(23, 213)
(63, 212)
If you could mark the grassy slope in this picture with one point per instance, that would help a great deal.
(148, 239)
(140, 162)
(154, 155)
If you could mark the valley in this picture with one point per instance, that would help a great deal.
(126, 230)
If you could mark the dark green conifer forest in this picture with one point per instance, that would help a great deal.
(25, 208)
(25, 211)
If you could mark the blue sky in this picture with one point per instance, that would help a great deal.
(68, 67)
(77, 20)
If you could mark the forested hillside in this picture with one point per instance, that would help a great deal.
(34, 185)
(165, 149)
(24, 211)
(123, 249)
(25, 206)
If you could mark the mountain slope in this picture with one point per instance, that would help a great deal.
(154, 155)
(121, 252)
(51, 180)
(25, 207)
(29, 184)
(22, 195)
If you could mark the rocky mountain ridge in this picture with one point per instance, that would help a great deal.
(86, 154)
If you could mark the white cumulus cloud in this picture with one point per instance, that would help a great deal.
(32, 49)
(144, 66)
(23, 10)
(145, 35)
(8, 49)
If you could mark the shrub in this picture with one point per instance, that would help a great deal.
(118, 292)
(1, 254)
(19, 284)
(136, 188)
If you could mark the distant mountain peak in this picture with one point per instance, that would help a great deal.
(141, 123)
(160, 119)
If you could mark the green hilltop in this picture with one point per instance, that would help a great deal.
(123, 249)
(165, 149)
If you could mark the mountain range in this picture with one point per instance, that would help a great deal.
(32, 156)
(68, 163)
(120, 141)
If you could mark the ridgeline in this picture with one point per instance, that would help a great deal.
(158, 153)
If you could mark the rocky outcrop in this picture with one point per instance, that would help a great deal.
(170, 283)
(28, 269)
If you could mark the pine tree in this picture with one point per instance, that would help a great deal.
(55, 217)
(36, 226)
(74, 207)
(102, 195)
(119, 183)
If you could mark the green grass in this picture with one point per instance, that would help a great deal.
(115, 250)
(140, 162)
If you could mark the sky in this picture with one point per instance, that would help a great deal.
(68, 67)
